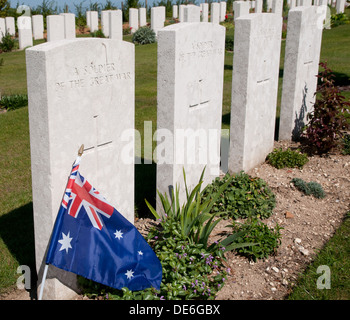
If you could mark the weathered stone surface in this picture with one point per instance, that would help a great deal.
(80, 92)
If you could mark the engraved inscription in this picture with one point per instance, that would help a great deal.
(200, 49)
(93, 75)
(263, 80)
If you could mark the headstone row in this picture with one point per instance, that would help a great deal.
(88, 98)
(193, 13)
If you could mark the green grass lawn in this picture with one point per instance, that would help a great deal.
(335, 255)
(16, 223)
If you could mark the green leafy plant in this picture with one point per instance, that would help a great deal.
(287, 159)
(264, 240)
(194, 217)
(339, 19)
(98, 34)
(310, 188)
(144, 35)
(12, 102)
(243, 196)
(229, 42)
(327, 120)
(7, 43)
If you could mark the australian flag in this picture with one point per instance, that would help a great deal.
(92, 239)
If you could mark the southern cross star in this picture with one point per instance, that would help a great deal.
(129, 274)
(118, 234)
(65, 242)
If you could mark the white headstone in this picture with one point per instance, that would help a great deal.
(80, 92)
(38, 26)
(10, 25)
(25, 37)
(157, 18)
(55, 27)
(292, 4)
(105, 22)
(93, 21)
(190, 88)
(240, 8)
(69, 25)
(258, 6)
(116, 25)
(254, 89)
(340, 6)
(142, 17)
(305, 3)
(88, 18)
(133, 19)
(222, 10)
(182, 12)
(2, 28)
(277, 6)
(192, 13)
(215, 12)
(269, 5)
(302, 55)
(175, 9)
(205, 12)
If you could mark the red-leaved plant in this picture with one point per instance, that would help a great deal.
(327, 120)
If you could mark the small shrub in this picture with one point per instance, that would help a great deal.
(7, 44)
(327, 120)
(346, 144)
(196, 222)
(144, 35)
(244, 196)
(229, 42)
(265, 240)
(13, 102)
(339, 19)
(287, 159)
(311, 188)
(98, 34)
(127, 31)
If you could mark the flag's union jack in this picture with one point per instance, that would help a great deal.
(80, 193)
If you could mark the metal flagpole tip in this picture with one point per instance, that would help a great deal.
(81, 150)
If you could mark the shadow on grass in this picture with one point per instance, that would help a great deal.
(226, 120)
(17, 232)
(145, 188)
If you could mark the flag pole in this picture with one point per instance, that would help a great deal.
(77, 160)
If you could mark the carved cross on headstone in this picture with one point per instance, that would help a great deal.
(198, 94)
(98, 143)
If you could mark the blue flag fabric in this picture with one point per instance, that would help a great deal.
(92, 239)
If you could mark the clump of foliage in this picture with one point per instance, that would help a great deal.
(327, 120)
(195, 217)
(244, 196)
(339, 19)
(98, 34)
(192, 268)
(264, 240)
(310, 188)
(229, 42)
(189, 271)
(144, 35)
(287, 158)
(346, 144)
(7, 43)
(12, 102)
